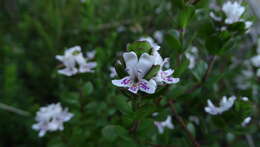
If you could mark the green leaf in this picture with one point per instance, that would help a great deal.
(120, 68)
(112, 132)
(237, 27)
(200, 70)
(153, 71)
(183, 67)
(87, 88)
(122, 105)
(213, 44)
(146, 128)
(139, 47)
(145, 111)
(186, 16)
(173, 40)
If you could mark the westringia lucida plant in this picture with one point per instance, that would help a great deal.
(138, 73)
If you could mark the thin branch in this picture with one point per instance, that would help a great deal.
(205, 77)
(194, 2)
(183, 125)
(13, 109)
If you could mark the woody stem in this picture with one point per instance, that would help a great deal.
(182, 124)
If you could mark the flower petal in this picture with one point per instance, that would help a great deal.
(145, 63)
(131, 61)
(168, 72)
(171, 80)
(134, 88)
(125, 82)
(60, 58)
(68, 71)
(147, 87)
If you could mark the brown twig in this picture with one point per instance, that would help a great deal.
(182, 124)
(205, 77)
(194, 2)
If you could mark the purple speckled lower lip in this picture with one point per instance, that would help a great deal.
(144, 86)
(169, 79)
(125, 81)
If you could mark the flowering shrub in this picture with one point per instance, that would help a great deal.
(129, 73)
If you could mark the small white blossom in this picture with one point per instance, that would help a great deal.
(258, 72)
(155, 114)
(192, 55)
(233, 11)
(225, 104)
(246, 121)
(137, 69)
(73, 57)
(256, 61)
(244, 98)
(51, 118)
(158, 35)
(164, 124)
(91, 55)
(113, 72)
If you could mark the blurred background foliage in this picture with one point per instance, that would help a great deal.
(33, 32)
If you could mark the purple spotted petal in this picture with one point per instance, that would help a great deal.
(134, 88)
(147, 87)
(171, 80)
(125, 82)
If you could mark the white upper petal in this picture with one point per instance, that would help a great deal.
(144, 65)
(131, 61)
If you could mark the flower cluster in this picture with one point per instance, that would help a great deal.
(233, 12)
(145, 71)
(51, 118)
(75, 62)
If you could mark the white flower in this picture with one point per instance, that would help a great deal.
(136, 70)
(248, 24)
(158, 35)
(256, 61)
(258, 72)
(233, 12)
(165, 76)
(246, 121)
(72, 57)
(244, 98)
(225, 104)
(192, 56)
(164, 124)
(258, 46)
(68, 59)
(113, 72)
(51, 118)
(150, 40)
